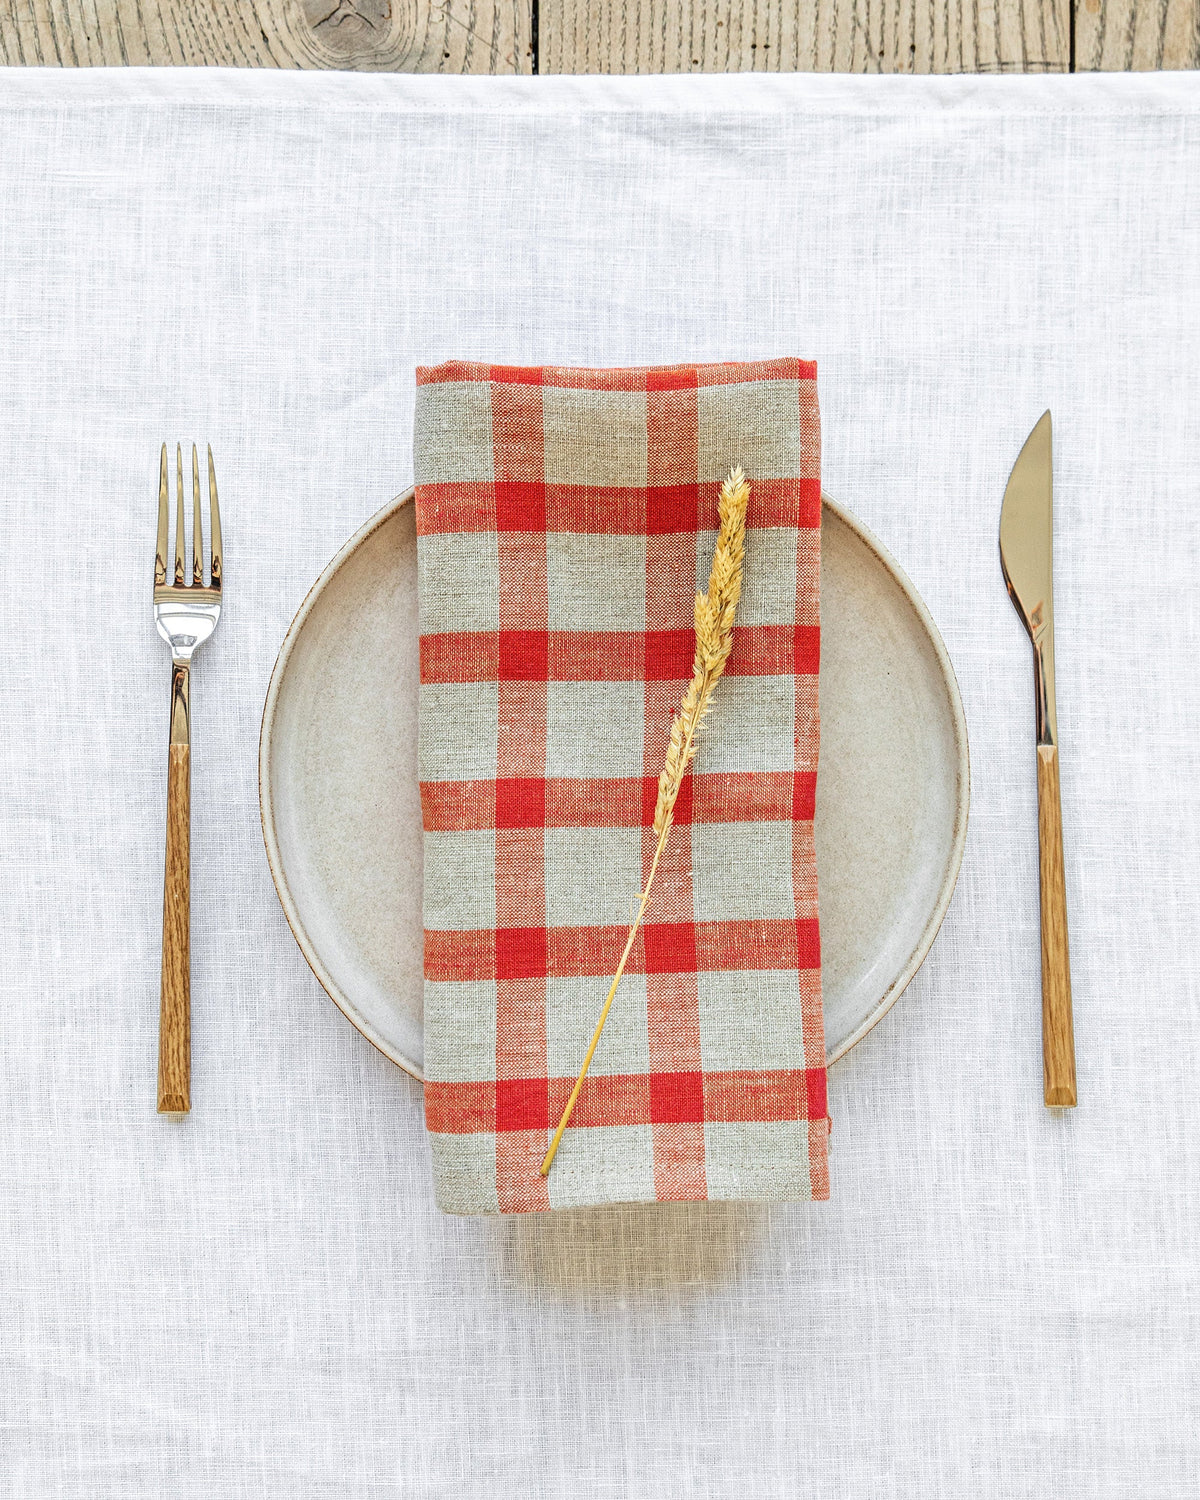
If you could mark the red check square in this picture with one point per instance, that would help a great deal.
(521, 952)
(669, 655)
(676, 1098)
(516, 374)
(810, 503)
(808, 943)
(524, 655)
(520, 506)
(520, 802)
(670, 947)
(522, 1104)
(818, 1108)
(680, 378)
(808, 651)
(671, 508)
(804, 796)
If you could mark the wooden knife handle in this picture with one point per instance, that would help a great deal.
(174, 1024)
(1058, 1041)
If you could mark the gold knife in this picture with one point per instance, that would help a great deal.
(1026, 555)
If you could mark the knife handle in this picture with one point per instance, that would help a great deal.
(1058, 1040)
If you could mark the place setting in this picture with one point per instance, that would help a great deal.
(454, 664)
(600, 892)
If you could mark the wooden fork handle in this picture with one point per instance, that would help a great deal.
(174, 1025)
(1058, 1041)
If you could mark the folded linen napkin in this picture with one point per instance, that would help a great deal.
(565, 518)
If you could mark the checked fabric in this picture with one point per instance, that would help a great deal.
(565, 518)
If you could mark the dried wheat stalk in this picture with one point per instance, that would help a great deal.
(715, 613)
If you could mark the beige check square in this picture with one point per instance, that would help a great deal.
(572, 1005)
(750, 1018)
(460, 1029)
(458, 731)
(592, 876)
(613, 1163)
(458, 587)
(455, 422)
(742, 871)
(460, 880)
(596, 582)
(594, 728)
(769, 577)
(595, 438)
(755, 730)
(754, 425)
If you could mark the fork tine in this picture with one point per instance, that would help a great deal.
(164, 505)
(216, 523)
(197, 527)
(178, 515)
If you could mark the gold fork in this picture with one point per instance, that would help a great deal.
(186, 612)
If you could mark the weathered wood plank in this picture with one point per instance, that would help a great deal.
(608, 36)
(413, 36)
(821, 36)
(1118, 36)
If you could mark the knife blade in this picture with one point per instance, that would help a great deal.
(1027, 561)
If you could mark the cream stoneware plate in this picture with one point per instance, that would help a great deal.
(341, 809)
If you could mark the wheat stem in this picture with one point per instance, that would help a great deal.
(714, 614)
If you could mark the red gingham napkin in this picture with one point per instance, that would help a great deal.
(565, 519)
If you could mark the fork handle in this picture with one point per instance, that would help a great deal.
(174, 1024)
(1058, 1041)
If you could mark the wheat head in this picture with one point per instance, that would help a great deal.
(715, 613)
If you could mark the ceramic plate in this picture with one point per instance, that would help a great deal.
(341, 810)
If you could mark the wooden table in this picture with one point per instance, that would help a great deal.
(610, 36)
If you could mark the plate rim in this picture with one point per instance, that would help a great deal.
(287, 901)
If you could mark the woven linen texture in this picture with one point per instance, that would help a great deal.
(565, 520)
(263, 1302)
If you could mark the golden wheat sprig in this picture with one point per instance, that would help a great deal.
(715, 613)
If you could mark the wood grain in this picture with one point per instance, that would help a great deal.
(825, 36)
(174, 1023)
(1136, 35)
(1058, 1039)
(412, 36)
(607, 36)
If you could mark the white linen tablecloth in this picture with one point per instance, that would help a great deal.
(262, 1300)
